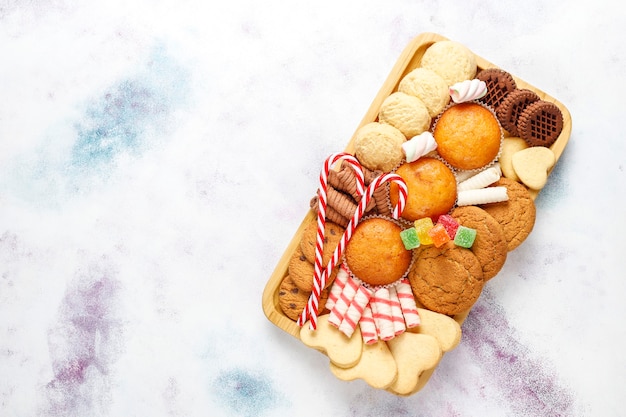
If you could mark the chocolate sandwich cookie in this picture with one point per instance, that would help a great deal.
(541, 123)
(447, 280)
(512, 106)
(490, 245)
(499, 84)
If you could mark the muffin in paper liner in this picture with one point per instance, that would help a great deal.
(482, 167)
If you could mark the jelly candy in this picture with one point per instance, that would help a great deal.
(422, 226)
(439, 235)
(465, 237)
(409, 238)
(449, 223)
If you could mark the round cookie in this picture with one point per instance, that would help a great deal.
(375, 254)
(517, 215)
(447, 280)
(332, 236)
(512, 106)
(302, 271)
(499, 84)
(291, 299)
(406, 113)
(429, 87)
(378, 146)
(490, 245)
(453, 61)
(541, 123)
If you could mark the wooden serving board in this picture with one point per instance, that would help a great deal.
(409, 59)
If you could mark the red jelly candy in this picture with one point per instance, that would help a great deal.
(449, 223)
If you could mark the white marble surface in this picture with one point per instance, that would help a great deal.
(157, 157)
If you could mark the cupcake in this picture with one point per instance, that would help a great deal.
(468, 136)
(375, 254)
(431, 188)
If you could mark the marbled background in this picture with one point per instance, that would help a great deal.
(156, 158)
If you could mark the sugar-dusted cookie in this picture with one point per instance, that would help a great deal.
(490, 245)
(517, 215)
(448, 279)
(342, 351)
(378, 146)
(332, 236)
(376, 366)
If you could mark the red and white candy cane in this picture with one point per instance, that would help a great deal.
(311, 309)
(319, 281)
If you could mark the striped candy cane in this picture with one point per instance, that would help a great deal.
(319, 281)
(311, 309)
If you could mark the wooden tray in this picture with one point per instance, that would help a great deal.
(409, 59)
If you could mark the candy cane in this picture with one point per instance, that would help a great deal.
(312, 306)
(319, 281)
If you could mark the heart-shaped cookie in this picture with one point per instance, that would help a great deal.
(377, 366)
(444, 329)
(510, 146)
(342, 351)
(532, 166)
(414, 353)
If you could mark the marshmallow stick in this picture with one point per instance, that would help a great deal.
(337, 288)
(368, 326)
(407, 303)
(343, 302)
(396, 312)
(382, 314)
(480, 180)
(482, 196)
(355, 311)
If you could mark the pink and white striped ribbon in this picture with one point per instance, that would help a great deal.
(319, 279)
(311, 308)
(407, 303)
(369, 333)
(355, 311)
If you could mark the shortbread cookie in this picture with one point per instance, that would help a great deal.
(517, 215)
(510, 146)
(453, 61)
(446, 330)
(406, 113)
(414, 353)
(377, 367)
(532, 166)
(447, 280)
(342, 351)
(429, 87)
(490, 245)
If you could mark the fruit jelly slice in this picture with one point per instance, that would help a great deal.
(422, 226)
(449, 223)
(465, 237)
(439, 235)
(409, 238)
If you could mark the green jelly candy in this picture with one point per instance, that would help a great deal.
(409, 238)
(465, 237)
